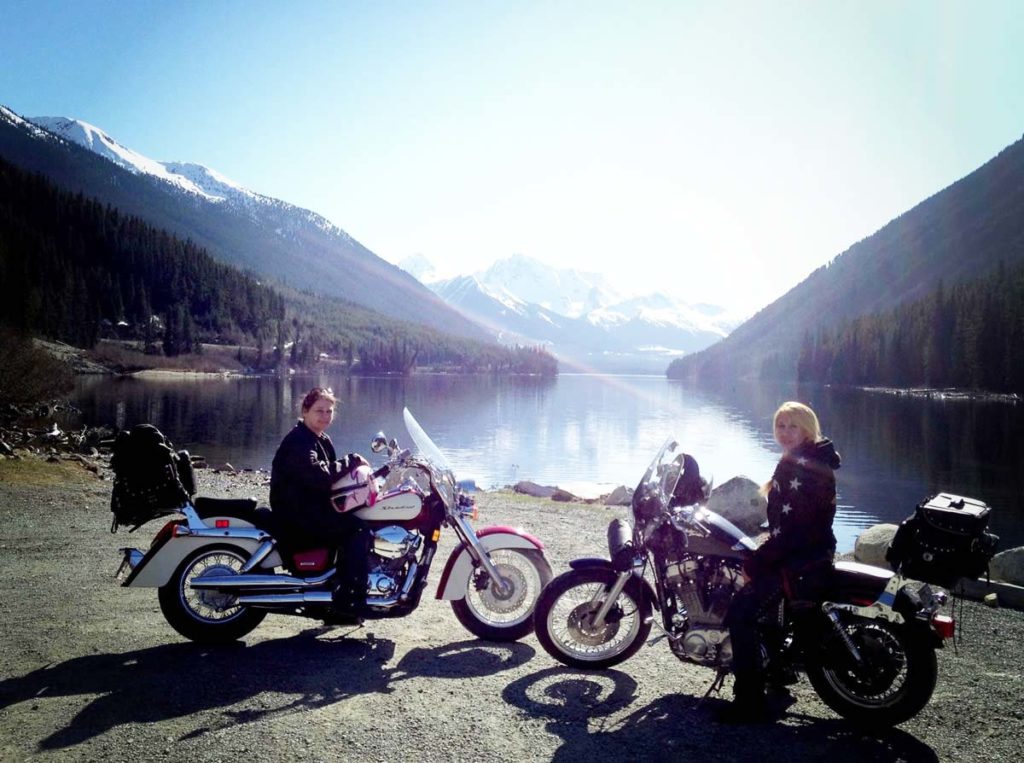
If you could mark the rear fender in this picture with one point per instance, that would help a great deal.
(170, 550)
(457, 571)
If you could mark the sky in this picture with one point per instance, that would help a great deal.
(720, 151)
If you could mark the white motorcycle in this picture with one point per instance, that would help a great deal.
(221, 568)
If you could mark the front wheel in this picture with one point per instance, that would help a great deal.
(565, 619)
(506, 615)
(209, 617)
(893, 681)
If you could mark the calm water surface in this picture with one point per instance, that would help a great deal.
(604, 429)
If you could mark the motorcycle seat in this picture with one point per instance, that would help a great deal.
(242, 508)
(857, 576)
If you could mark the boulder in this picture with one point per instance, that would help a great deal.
(620, 496)
(740, 501)
(1008, 566)
(871, 545)
(532, 488)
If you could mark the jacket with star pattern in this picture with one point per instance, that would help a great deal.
(801, 507)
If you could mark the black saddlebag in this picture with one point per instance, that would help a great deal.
(945, 539)
(151, 479)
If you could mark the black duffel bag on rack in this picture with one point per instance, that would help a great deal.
(944, 540)
(151, 479)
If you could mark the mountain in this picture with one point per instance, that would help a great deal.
(636, 334)
(266, 236)
(959, 234)
(564, 291)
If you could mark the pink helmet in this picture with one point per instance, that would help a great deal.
(354, 490)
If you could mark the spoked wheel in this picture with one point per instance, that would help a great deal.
(565, 619)
(504, 615)
(893, 681)
(207, 616)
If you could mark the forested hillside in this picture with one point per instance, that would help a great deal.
(969, 336)
(269, 238)
(74, 269)
(67, 264)
(962, 232)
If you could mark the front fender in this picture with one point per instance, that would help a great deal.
(459, 568)
(596, 562)
(161, 560)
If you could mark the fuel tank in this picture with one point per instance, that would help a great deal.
(398, 506)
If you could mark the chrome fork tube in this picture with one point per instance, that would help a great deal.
(478, 552)
(610, 597)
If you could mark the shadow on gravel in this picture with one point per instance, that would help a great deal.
(313, 669)
(586, 710)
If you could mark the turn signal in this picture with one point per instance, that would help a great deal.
(944, 625)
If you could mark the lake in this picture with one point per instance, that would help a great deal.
(603, 429)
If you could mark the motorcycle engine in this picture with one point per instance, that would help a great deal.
(703, 590)
(393, 547)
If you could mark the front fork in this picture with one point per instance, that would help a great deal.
(610, 598)
(479, 554)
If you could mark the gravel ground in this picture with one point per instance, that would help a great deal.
(91, 671)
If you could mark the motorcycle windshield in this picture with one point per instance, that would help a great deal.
(424, 444)
(659, 481)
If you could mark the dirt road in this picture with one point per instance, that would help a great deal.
(90, 671)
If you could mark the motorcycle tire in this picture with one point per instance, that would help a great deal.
(207, 617)
(894, 681)
(506, 616)
(567, 603)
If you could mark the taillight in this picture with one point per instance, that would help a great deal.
(220, 524)
(944, 625)
(165, 531)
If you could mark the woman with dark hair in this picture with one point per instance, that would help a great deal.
(304, 468)
(797, 555)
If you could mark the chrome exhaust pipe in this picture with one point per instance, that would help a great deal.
(231, 582)
(286, 599)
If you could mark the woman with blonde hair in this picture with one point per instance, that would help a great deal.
(797, 554)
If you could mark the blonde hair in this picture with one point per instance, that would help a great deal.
(802, 416)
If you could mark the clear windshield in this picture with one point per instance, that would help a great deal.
(659, 481)
(424, 444)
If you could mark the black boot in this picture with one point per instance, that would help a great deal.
(346, 606)
(748, 705)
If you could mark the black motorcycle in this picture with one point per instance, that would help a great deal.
(867, 645)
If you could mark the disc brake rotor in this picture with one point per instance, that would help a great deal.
(581, 625)
(509, 599)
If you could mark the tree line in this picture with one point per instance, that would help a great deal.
(72, 269)
(968, 336)
(76, 270)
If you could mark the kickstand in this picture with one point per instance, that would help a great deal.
(716, 686)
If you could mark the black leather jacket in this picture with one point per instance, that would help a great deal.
(304, 468)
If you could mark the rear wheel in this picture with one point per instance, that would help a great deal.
(504, 615)
(565, 619)
(893, 681)
(208, 617)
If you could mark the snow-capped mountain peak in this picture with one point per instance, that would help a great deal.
(208, 181)
(567, 292)
(193, 178)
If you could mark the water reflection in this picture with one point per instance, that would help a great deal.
(604, 429)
